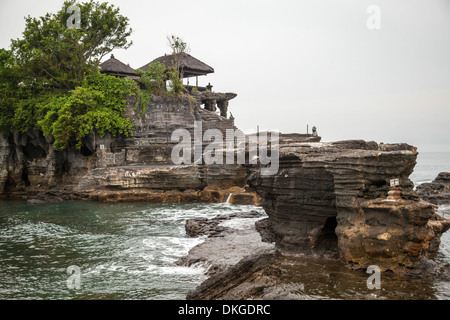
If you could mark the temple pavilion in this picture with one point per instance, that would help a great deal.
(117, 68)
(189, 67)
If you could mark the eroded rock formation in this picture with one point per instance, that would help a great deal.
(330, 199)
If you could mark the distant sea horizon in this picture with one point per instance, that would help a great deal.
(429, 165)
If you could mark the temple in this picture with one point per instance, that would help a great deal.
(189, 67)
(117, 68)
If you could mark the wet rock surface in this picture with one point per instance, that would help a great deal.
(265, 229)
(274, 276)
(48, 197)
(241, 268)
(244, 280)
(230, 238)
(438, 191)
(211, 227)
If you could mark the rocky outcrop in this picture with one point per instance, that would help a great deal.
(211, 227)
(134, 168)
(214, 100)
(166, 183)
(160, 178)
(438, 191)
(250, 278)
(242, 267)
(227, 242)
(330, 199)
(129, 165)
(394, 235)
(273, 276)
(48, 197)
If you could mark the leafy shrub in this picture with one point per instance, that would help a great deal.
(98, 105)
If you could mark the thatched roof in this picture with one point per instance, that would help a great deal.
(190, 65)
(115, 67)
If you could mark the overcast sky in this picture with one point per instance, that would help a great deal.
(294, 63)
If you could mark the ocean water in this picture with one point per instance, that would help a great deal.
(429, 165)
(123, 250)
(128, 250)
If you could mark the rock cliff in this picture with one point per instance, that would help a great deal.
(330, 199)
(122, 168)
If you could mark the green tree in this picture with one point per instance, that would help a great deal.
(51, 55)
(8, 89)
(50, 79)
(98, 105)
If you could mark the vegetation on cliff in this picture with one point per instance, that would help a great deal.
(50, 79)
(153, 80)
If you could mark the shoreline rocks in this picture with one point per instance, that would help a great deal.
(211, 227)
(225, 244)
(244, 280)
(242, 269)
(438, 191)
(30, 164)
(48, 197)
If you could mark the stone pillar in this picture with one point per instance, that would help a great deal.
(210, 105)
(223, 106)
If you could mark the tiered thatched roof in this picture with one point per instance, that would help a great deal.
(189, 65)
(117, 68)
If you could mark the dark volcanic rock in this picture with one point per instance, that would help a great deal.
(211, 227)
(330, 199)
(161, 177)
(438, 191)
(48, 197)
(273, 276)
(203, 226)
(265, 229)
(134, 168)
(244, 280)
